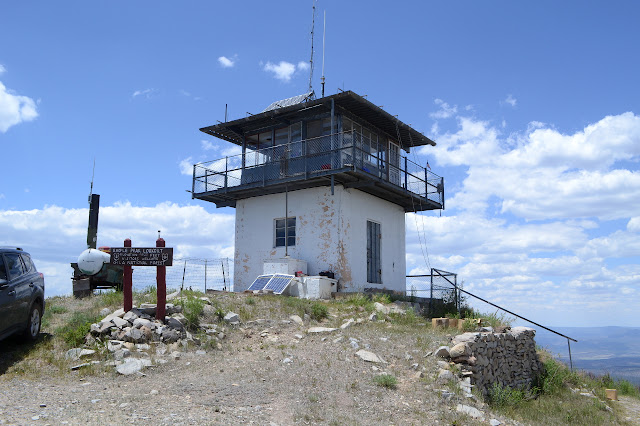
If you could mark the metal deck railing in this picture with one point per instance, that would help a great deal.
(309, 158)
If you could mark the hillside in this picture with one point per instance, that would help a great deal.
(268, 369)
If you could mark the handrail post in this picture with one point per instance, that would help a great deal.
(406, 172)
(570, 360)
(226, 171)
(193, 182)
(353, 150)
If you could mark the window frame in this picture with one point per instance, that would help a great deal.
(288, 232)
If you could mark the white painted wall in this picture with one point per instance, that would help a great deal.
(330, 235)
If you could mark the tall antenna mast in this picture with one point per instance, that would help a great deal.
(324, 32)
(313, 22)
(93, 173)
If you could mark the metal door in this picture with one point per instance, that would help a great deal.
(374, 268)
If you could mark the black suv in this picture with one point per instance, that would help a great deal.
(21, 294)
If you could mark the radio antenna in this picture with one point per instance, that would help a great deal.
(313, 22)
(324, 32)
(93, 173)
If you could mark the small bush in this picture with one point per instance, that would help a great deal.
(504, 396)
(250, 301)
(318, 311)
(386, 381)
(74, 332)
(627, 388)
(57, 309)
(383, 298)
(192, 310)
(110, 298)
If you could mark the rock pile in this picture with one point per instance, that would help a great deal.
(137, 332)
(485, 358)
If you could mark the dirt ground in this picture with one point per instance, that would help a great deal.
(268, 371)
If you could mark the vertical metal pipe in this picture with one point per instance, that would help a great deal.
(205, 275)
(406, 172)
(244, 151)
(286, 221)
(332, 184)
(193, 182)
(184, 271)
(226, 172)
(570, 360)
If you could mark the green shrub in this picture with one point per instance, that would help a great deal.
(57, 309)
(74, 332)
(250, 301)
(503, 396)
(383, 298)
(318, 311)
(192, 310)
(386, 381)
(627, 388)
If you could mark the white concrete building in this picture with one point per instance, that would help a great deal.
(323, 181)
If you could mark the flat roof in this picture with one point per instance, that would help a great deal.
(349, 103)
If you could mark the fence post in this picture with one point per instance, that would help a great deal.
(431, 291)
(205, 276)
(184, 271)
(224, 279)
(127, 282)
(226, 171)
(406, 172)
(161, 289)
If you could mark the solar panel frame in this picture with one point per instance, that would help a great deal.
(279, 283)
(260, 282)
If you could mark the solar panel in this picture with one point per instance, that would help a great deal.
(290, 101)
(279, 283)
(260, 282)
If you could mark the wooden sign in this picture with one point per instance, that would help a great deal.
(142, 256)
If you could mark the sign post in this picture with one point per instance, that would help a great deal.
(158, 256)
(161, 285)
(127, 282)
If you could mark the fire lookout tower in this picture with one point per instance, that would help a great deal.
(325, 181)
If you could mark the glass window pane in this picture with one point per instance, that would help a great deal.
(292, 241)
(3, 271)
(14, 265)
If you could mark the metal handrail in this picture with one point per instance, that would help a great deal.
(349, 143)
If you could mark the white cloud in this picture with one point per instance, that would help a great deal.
(510, 100)
(14, 109)
(544, 173)
(445, 111)
(227, 62)
(147, 93)
(634, 224)
(55, 236)
(284, 70)
(186, 166)
(2, 69)
(208, 146)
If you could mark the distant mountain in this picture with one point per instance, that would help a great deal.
(600, 350)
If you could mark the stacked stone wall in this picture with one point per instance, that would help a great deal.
(508, 358)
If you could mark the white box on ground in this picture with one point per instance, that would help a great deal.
(286, 265)
(315, 287)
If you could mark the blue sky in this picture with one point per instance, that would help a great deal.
(534, 107)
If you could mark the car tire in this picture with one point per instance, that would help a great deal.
(33, 323)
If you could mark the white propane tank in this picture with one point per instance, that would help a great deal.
(90, 261)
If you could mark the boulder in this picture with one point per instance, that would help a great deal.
(120, 322)
(444, 376)
(379, 307)
(142, 322)
(132, 365)
(296, 319)
(232, 318)
(461, 349)
(369, 356)
(442, 352)
(470, 411)
(348, 323)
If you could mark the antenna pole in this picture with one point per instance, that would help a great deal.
(93, 173)
(313, 22)
(324, 32)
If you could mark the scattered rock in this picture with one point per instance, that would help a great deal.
(470, 411)
(296, 319)
(132, 365)
(321, 330)
(495, 422)
(369, 356)
(442, 352)
(444, 377)
(347, 324)
(232, 318)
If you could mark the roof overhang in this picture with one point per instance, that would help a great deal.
(346, 102)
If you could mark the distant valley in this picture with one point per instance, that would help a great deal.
(599, 350)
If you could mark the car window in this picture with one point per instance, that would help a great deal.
(3, 271)
(28, 263)
(14, 265)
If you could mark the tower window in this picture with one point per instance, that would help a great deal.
(285, 233)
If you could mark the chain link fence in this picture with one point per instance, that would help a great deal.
(189, 273)
(440, 290)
